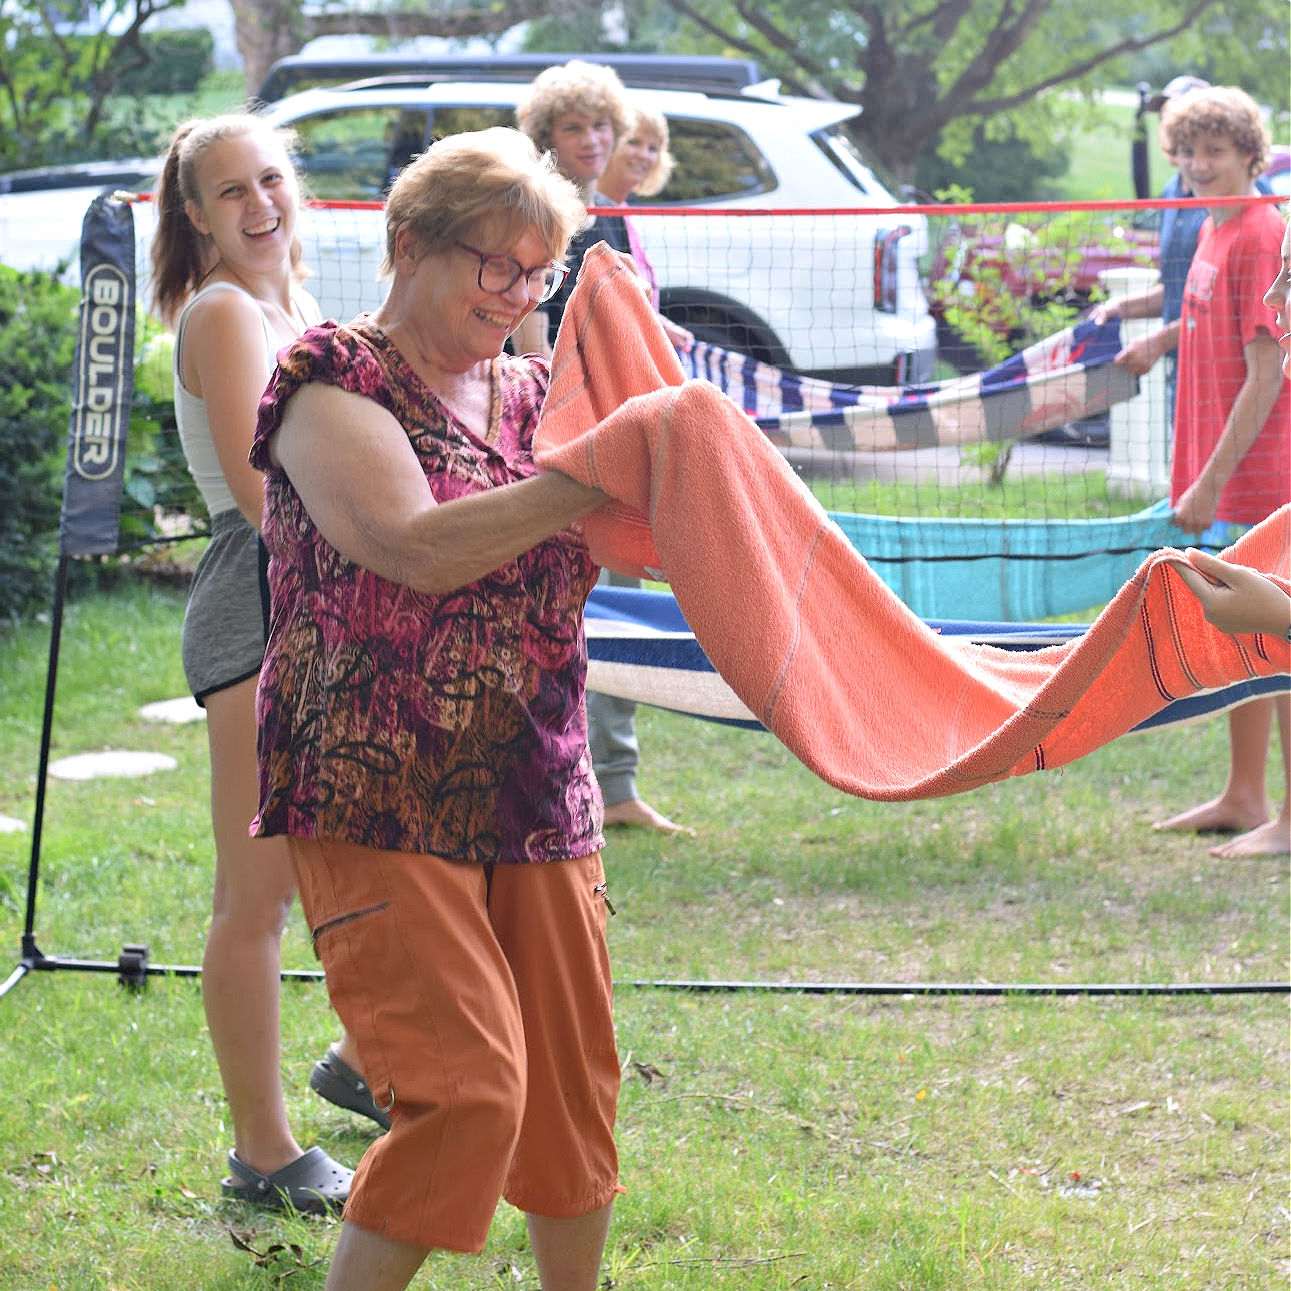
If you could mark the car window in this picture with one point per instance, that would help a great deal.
(713, 160)
(448, 121)
(842, 144)
(354, 154)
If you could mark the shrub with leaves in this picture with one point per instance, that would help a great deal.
(177, 60)
(161, 499)
(999, 288)
(58, 85)
(38, 317)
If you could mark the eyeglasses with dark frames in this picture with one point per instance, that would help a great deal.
(498, 274)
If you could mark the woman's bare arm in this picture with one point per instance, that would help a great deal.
(358, 477)
(224, 363)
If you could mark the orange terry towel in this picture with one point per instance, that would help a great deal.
(812, 641)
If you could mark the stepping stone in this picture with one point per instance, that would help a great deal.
(8, 825)
(111, 762)
(184, 709)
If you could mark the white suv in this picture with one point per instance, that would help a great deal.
(833, 294)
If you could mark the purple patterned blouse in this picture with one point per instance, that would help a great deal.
(449, 724)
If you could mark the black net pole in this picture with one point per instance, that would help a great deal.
(30, 951)
(102, 394)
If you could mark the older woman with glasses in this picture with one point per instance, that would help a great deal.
(423, 741)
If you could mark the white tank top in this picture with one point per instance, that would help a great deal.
(195, 427)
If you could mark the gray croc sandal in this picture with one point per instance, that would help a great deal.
(313, 1183)
(335, 1080)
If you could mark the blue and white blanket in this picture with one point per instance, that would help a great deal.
(1065, 377)
(640, 647)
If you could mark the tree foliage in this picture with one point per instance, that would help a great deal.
(999, 167)
(931, 75)
(928, 73)
(56, 77)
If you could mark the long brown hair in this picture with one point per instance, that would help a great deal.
(181, 256)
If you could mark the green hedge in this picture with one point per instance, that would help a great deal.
(178, 60)
(39, 317)
(997, 170)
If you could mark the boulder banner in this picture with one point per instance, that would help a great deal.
(102, 381)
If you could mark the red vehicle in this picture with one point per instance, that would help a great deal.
(1278, 171)
(1002, 268)
(1031, 260)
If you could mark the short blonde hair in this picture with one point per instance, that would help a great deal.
(576, 86)
(494, 177)
(655, 124)
(1220, 110)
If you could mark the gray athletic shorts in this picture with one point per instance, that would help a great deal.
(226, 622)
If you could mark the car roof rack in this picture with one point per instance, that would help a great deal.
(708, 74)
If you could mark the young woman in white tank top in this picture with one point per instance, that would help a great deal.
(225, 273)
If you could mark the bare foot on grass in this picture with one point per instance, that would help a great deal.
(1219, 816)
(1270, 839)
(641, 815)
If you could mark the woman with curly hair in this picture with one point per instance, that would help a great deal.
(640, 167)
(578, 112)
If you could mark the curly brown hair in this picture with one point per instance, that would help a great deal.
(576, 86)
(1222, 110)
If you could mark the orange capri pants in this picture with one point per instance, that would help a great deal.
(480, 1000)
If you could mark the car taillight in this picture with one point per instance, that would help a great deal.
(885, 267)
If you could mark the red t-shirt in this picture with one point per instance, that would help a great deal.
(1223, 311)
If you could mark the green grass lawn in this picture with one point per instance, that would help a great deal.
(1100, 166)
(769, 1139)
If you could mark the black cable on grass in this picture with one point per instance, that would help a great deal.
(133, 969)
(968, 988)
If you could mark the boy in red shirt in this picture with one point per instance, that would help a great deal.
(1232, 437)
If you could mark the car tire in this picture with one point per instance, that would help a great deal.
(955, 349)
(713, 326)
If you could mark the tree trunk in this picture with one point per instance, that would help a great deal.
(266, 30)
(271, 29)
